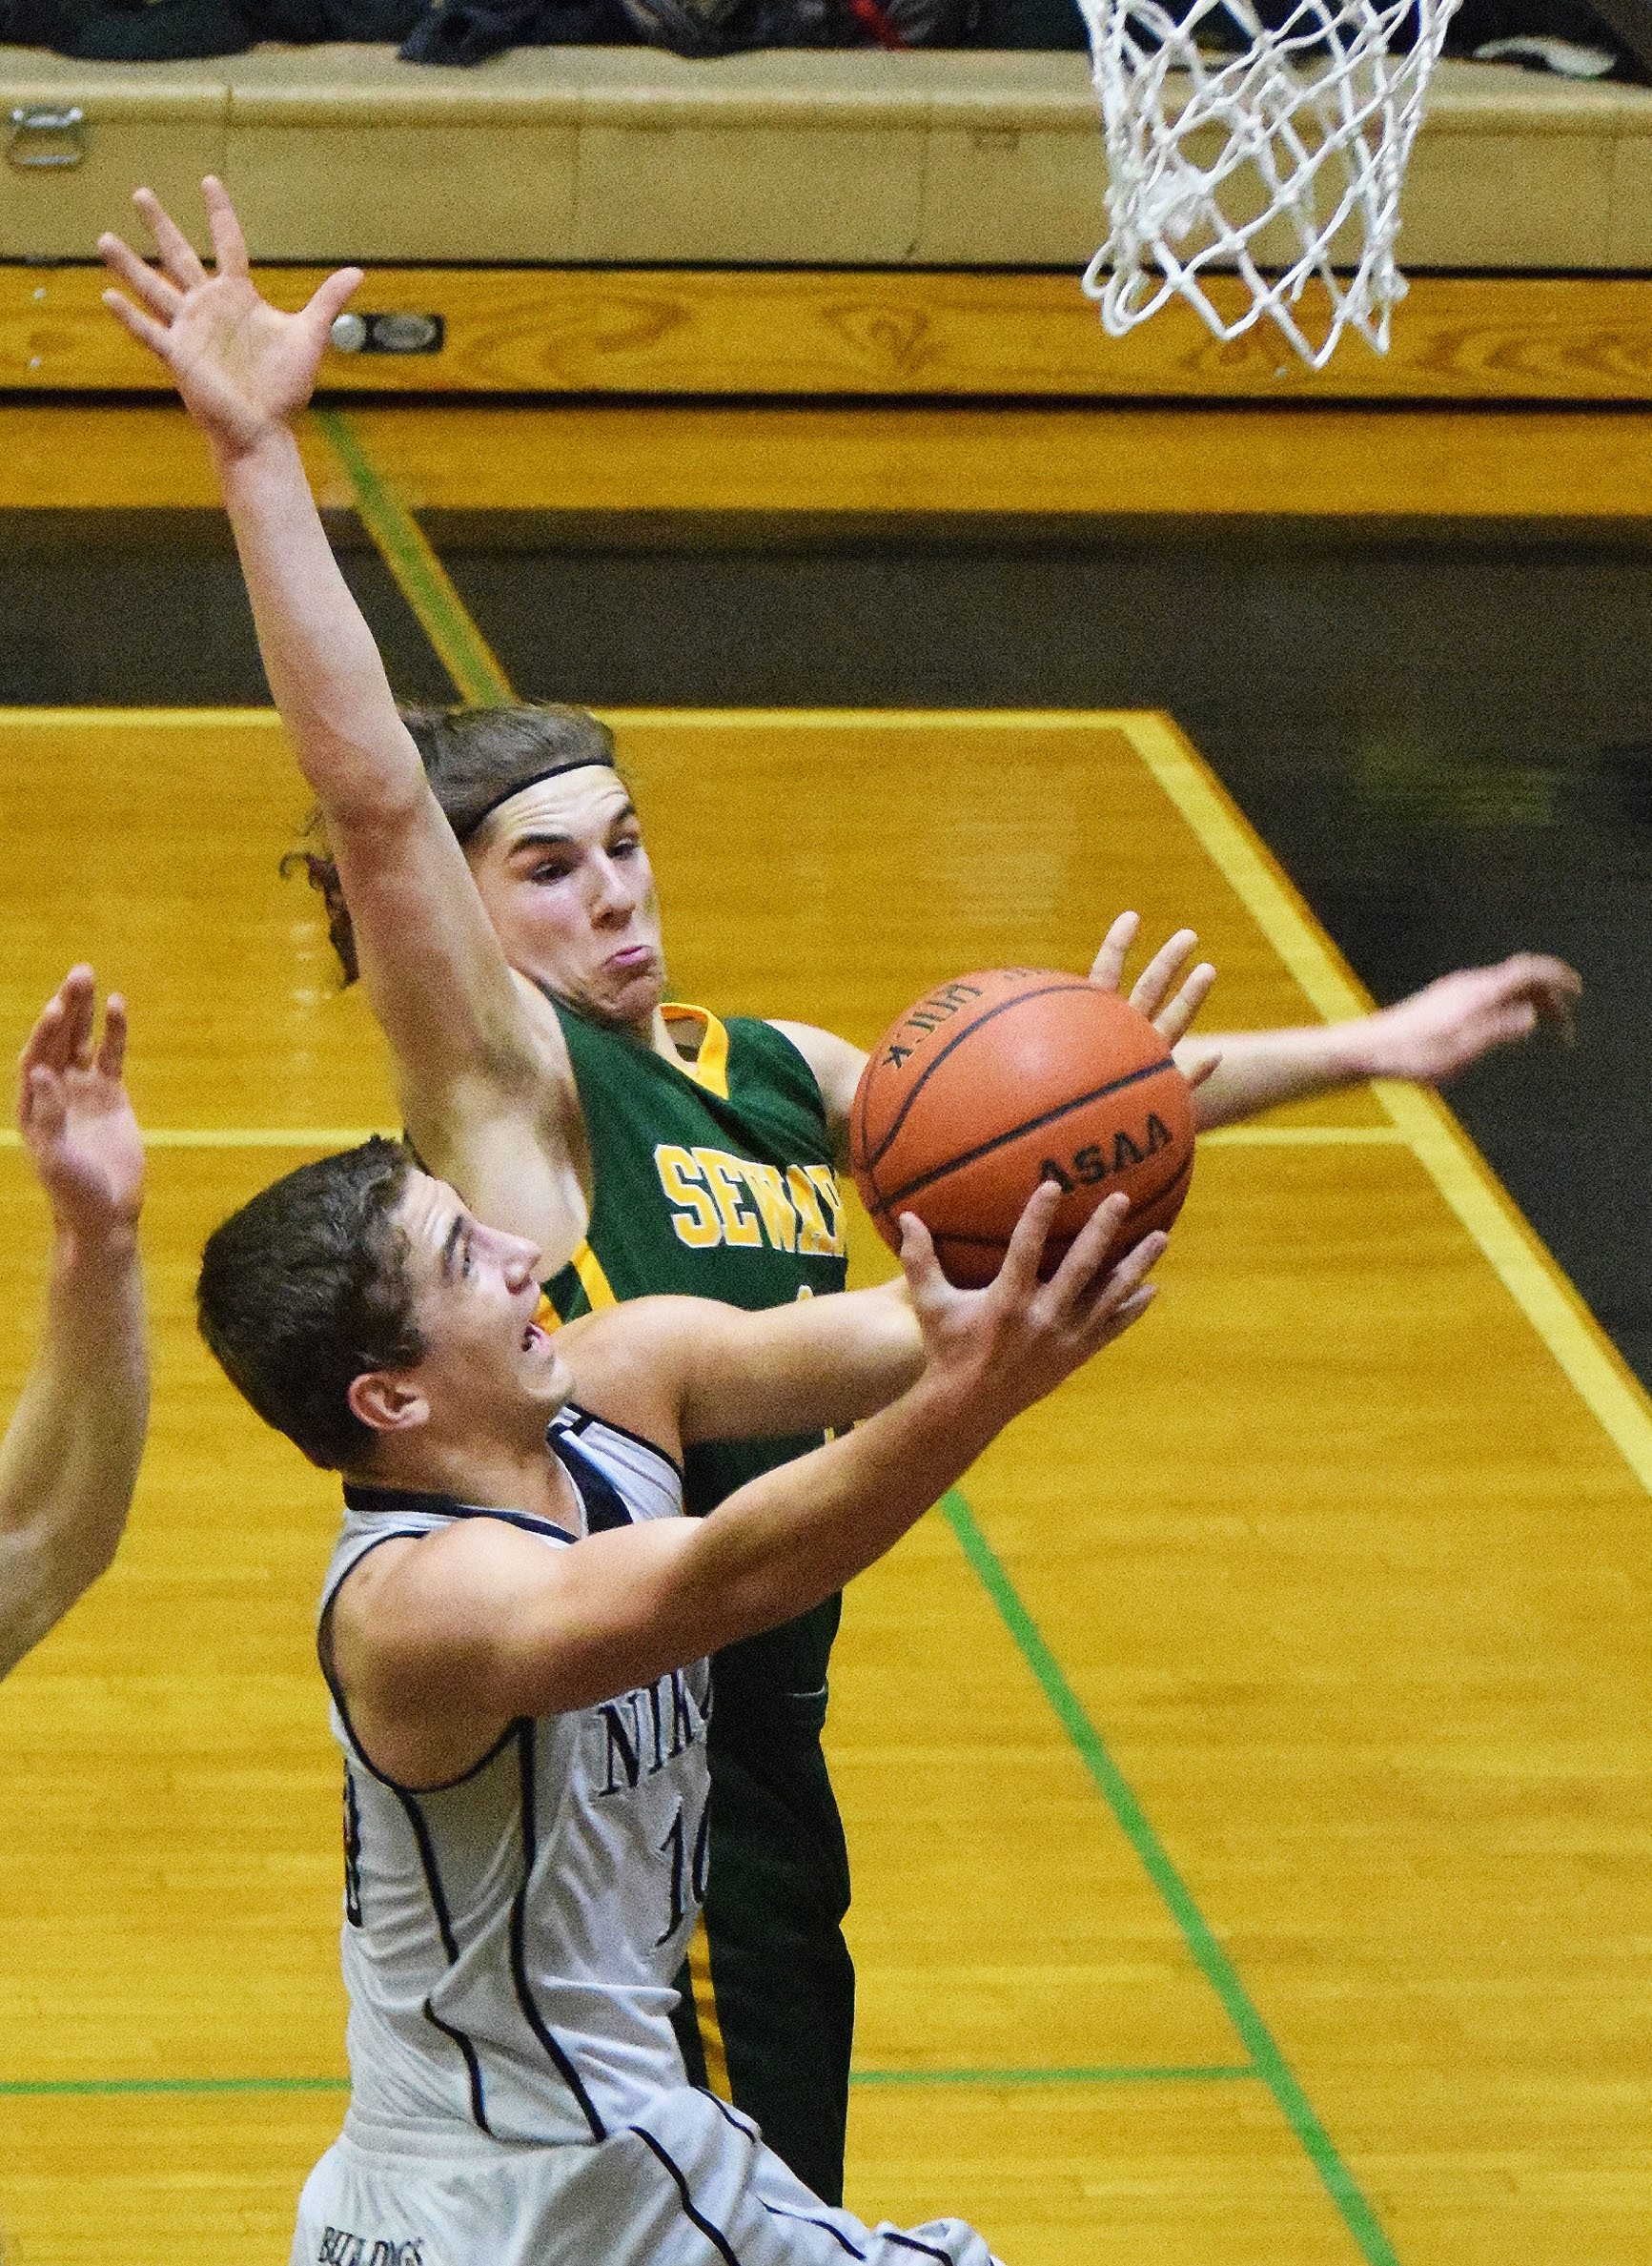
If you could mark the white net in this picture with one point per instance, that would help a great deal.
(1281, 165)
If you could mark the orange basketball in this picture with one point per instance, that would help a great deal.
(1007, 1077)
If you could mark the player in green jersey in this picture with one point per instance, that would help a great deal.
(509, 936)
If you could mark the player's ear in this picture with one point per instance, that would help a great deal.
(387, 1400)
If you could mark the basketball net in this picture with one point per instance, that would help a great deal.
(1281, 165)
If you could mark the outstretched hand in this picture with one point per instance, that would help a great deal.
(1455, 1020)
(1016, 1341)
(240, 365)
(76, 1117)
(1167, 993)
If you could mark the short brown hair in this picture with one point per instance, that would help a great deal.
(473, 758)
(306, 1288)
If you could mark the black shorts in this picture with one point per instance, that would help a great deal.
(773, 2023)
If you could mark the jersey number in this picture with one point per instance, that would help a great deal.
(687, 1869)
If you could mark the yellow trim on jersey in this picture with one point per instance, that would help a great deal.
(588, 1267)
(709, 1067)
(705, 2020)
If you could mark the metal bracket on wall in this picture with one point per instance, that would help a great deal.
(44, 138)
(388, 334)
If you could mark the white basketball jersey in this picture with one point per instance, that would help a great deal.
(510, 1938)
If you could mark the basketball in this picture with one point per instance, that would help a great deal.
(1006, 1077)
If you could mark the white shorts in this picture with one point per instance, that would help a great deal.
(689, 2184)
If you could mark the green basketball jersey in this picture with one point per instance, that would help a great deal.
(713, 1178)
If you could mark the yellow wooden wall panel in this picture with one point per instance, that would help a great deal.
(57, 456)
(1033, 462)
(795, 332)
(1487, 464)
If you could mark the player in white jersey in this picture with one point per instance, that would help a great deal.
(589, 1815)
(515, 1628)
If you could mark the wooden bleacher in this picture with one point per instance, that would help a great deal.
(618, 220)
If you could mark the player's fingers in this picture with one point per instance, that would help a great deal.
(330, 298)
(76, 993)
(1137, 1263)
(1197, 1067)
(1018, 1278)
(157, 294)
(1120, 1293)
(1153, 987)
(1107, 968)
(1171, 1021)
(1553, 987)
(918, 1260)
(178, 255)
(112, 1055)
(229, 244)
(1118, 1318)
(110, 236)
(42, 1109)
(144, 328)
(44, 1042)
(1076, 1275)
(1551, 984)
(1541, 968)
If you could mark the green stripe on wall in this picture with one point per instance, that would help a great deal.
(419, 573)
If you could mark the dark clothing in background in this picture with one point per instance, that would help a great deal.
(466, 30)
(470, 31)
(186, 30)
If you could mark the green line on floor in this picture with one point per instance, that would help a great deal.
(100, 2085)
(1123, 2074)
(1217, 1968)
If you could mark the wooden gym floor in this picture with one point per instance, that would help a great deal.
(1244, 1773)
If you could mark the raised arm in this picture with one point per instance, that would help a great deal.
(680, 1370)
(69, 1457)
(440, 1642)
(486, 1083)
(1425, 1040)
